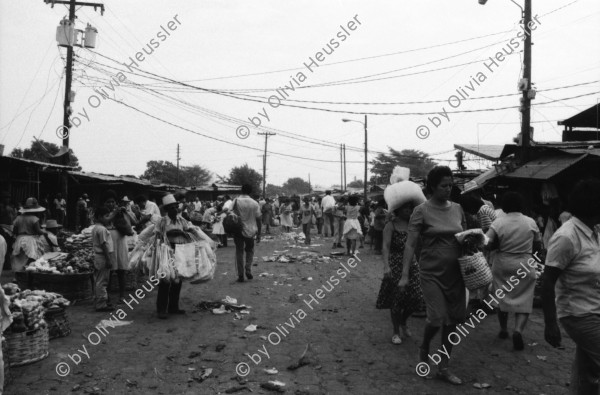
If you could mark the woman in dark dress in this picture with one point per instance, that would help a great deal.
(436, 222)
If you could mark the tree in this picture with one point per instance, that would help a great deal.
(417, 161)
(273, 190)
(166, 173)
(296, 186)
(356, 184)
(43, 151)
(245, 175)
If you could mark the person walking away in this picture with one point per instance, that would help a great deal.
(104, 257)
(28, 231)
(352, 230)
(319, 216)
(515, 237)
(436, 222)
(286, 215)
(571, 286)
(328, 206)
(307, 211)
(378, 225)
(406, 195)
(338, 216)
(250, 215)
(267, 215)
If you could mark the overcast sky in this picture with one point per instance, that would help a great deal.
(414, 51)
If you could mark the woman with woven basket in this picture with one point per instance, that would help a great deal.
(401, 199)
(514, 236)
(436, 222)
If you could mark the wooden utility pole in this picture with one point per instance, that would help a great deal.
(345, 179)
(365, 185)
(69, 79)
(266, 134)
(526, 105)
(341, 168)
(178, 158)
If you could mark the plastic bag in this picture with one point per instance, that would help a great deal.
(207, 263)
(186, 259)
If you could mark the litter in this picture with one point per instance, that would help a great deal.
(220, 310)
(274, 386)
(481, 386)
(250, 328)
(113, 323)
(229, 300)
(542, 357)
(271, 371)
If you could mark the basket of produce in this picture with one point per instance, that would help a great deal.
(58, 323)
(27, 347)
(69, 274)
(27, 336)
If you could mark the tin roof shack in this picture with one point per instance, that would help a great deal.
(584, 126)
(213, 191)
(24, 178)
(547, 179)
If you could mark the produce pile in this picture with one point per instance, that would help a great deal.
(81, 261)
(81, 241)
(28, 307)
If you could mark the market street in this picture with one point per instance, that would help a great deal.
(350, 350)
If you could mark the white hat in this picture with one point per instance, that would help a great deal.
(400, 193)
(168, 199)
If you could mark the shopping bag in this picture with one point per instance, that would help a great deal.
(475, 271)
(206, 265)
(186, 259)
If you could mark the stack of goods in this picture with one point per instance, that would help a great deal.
(27, 336)
(62, 237)
(63, 263)
(35, 309)
(474, 268)
(79, 242)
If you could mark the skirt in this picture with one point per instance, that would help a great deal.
(217, 228)
(25, 247)
(121, 250)
(352, 229)
(518, 291)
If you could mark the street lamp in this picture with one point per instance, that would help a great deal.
(365, 125)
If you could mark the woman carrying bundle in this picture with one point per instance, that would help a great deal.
(401, 198)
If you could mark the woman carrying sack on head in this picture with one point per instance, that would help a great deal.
(401, 199)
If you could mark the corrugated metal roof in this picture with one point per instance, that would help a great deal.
(38, 163)
(581, 151)
(545, 168)
(489, 152)
(589, 118)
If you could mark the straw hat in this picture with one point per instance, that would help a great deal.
(52, 224)
(31, 206)
(125, 199)
(168, 200)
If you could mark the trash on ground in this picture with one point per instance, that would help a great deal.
(113, 323)
(271, 371)
(251, 328)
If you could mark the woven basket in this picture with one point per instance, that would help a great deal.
(132, 281)
(58, 323)
(7, 376)
(71, 286)
(475, 271)
(27, 347)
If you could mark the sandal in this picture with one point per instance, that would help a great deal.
(445, 375)
(396, 339)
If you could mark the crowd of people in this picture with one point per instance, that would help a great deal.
(414, 231)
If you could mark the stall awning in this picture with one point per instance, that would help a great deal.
(489, 152)
(545, 168)
(589, 118)
(481, 180)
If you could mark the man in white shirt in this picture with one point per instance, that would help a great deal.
(149, 211)
(328, 205)
(249, 212)
(197, 204)
(228, 203)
